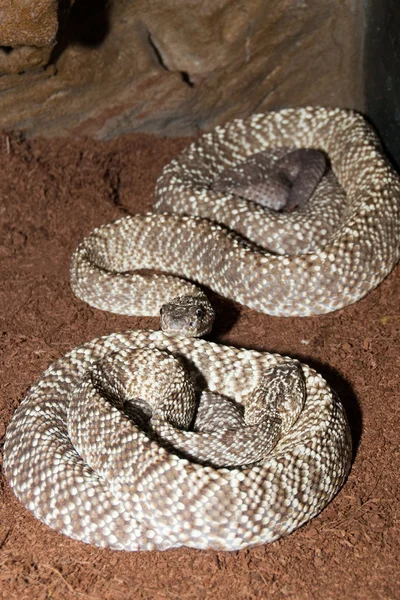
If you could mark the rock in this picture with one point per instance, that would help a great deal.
(174, 68)
(25, 58)
(28, 22)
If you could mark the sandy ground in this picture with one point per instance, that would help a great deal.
(52, 194)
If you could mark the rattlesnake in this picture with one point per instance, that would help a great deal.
(157, 498)
(319, 258)
(164, 500)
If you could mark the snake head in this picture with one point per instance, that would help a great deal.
(192, 316)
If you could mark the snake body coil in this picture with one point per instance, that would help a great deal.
(319, 258)
(143, 496)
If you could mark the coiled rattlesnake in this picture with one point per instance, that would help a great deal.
(139, 494)
(327, 254)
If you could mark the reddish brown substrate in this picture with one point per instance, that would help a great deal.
(52, 194)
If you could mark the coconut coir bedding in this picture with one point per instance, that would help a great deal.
(52, 193)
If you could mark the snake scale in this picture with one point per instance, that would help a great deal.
(128, 489)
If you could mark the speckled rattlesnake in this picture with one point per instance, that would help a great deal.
(162, 500)
(324, 256)
(158, 499)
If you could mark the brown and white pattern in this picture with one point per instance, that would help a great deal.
(323, 256)
(125, 490)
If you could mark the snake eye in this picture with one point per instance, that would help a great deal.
(161, 310)
(199, 313)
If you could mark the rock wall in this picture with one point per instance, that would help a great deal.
(106, 68)
(381, 72)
